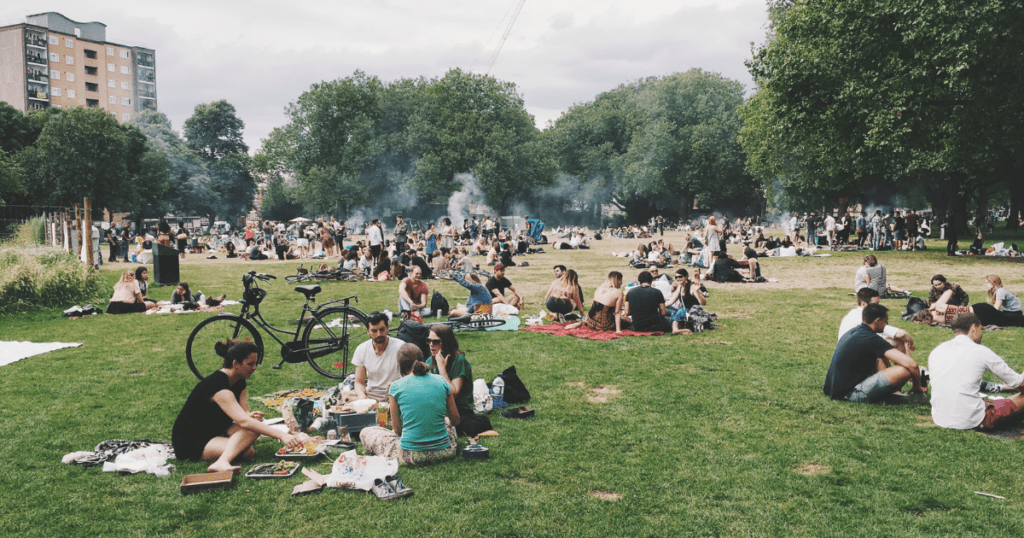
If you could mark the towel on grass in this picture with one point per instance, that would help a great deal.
(558, 329)
(15, 351)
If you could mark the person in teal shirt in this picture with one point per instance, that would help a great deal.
(423, 415)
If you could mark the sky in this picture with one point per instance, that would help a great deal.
(260, 55)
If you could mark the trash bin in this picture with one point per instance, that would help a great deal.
(165, 265)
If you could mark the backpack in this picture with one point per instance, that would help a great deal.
(515, 391)
(438, 302)
(415, 333)
(699, 319)
(914, 305)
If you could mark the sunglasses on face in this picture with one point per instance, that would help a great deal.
(434, 341)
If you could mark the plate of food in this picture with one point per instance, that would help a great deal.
(309, 450)
(281, 469)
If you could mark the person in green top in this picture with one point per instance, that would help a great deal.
(423, 415)
(450, 363)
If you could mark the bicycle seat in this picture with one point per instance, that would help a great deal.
(308, 291)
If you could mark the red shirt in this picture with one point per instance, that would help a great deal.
(414, 291)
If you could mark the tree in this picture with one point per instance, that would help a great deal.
(889, 93)
(214, 132)
(189, 190)
(12, 177)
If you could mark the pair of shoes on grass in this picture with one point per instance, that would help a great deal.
(519, 412)
(390, 488)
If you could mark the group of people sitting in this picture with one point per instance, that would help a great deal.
(872, 362)
(131, 295)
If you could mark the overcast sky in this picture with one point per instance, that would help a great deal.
(260, 55)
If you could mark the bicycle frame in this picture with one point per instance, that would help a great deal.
(249, 282)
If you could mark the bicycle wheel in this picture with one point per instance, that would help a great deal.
(295, 279)
(480, 324)
(199, 353)
(330, 338)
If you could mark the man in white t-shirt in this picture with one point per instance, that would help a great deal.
(376, 361)
(794, 228)
(956, 368)
(899, 338)
(830, 229)
(375, 238)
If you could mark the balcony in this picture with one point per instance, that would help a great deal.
(144, 60)
(91, 87)
(37, 42)
(37, 76)
(92, 103)
(39, 105)
(147, 77)
(34, 59)
(90, 54)
(38, 96)
(89, 70)
(147, 94)
(148, 104)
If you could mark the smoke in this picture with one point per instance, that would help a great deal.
(469, 195)
(355, 221)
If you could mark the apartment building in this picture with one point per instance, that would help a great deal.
(53, 61)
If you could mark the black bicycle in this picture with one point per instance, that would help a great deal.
(325, 337)
(323, 274)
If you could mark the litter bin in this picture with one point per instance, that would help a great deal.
(165, 265)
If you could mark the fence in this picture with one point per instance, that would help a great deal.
(62, 224)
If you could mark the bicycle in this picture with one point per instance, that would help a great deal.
(473, 322)
(306, 275)
(324, 339)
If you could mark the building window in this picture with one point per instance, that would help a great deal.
(126, 101)
(54, 40)
(71, 77)
(110, 51)
(126, 86)
(90, 70)
(91, 87)
(126, 117)
(69, 43)
(70, 60)
(111, 83)
(125, 54)
(71, 94)
(124, 70)
(111, 99)
(110, 67)
(90, 54)
(54, 57)
(92, 103)
(55, 75)
(56, 92)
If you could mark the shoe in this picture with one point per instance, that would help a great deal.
(383, 490)
(519, 413)
(398, 486)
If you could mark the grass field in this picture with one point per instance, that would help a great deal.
(724, 433)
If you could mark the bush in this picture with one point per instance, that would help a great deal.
(32, 232)
(45, 277)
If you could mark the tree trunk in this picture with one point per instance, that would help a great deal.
(1014, 180)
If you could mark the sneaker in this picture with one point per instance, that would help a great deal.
(991, 388)
(398, 486)
(383, 490)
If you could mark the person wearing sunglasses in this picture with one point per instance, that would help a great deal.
(448, 361)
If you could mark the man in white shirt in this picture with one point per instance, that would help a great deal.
(956, 368)
(375, 237)
(830, 229)
(794, 228)
(899, 338)
(376, 361)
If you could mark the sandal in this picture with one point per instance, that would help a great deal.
(519, 413)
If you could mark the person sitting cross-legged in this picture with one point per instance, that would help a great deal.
(861, 370)
(956, 368)
(413, 295)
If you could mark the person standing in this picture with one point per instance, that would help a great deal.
(375, 237)
(862, 228)
(112, 240)
(830, 229)
(401, 234)
(876, 230)
(812, 228)
(794, 228)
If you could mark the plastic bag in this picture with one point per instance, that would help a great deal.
(482, 397)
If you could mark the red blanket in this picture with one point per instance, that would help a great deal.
(558, 329)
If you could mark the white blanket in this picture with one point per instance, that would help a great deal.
(15, 351)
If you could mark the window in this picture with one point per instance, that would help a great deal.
(126, 101)
(71, 77)
(71, 94)
(125, 54)
(126, 86)
(78, 32)
(90, 54)
(54, 57)
(126, 117)
(110, 51)
(91, 87)
(110, 67)
(90, 70)
(92, 103)
(56, 92)
(124, 70)
(111, 83)
(111, 99)
(55, 75)
(54, 40)
(70, 60)
(69, 43)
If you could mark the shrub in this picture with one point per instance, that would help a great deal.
(45, 277)
(32, 232)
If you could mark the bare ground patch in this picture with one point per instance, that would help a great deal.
(602, 394)
(812, 469)
(605, 495)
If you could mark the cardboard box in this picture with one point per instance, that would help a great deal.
(194, 483)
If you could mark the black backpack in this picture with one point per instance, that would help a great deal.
(414, 332)
(515, 390)
(438, 302)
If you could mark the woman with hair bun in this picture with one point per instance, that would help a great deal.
(423, 415)
(215, 424)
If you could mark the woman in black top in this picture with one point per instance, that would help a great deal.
(215, 424)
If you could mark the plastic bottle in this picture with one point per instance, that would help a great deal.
(498, 387)
(388, 314)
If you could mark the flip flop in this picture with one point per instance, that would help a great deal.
(518, 413)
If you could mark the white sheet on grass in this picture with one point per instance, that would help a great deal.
(15, 351)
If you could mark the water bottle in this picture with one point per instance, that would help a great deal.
(388, 314)
(438, 313)
(498, 387)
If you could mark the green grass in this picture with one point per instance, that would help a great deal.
(706, 438)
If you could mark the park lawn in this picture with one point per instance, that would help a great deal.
(724, 433)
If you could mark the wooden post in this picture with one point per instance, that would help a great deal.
(78, 232)
(87, 232)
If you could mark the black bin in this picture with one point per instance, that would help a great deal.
(165, 265)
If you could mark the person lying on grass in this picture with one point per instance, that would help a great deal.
(423, 415)
(956, 368)
(127, 297)
(989, 314)
(861, 370)
(215, 424)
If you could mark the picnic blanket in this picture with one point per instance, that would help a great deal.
(15, 351)
(558, 329)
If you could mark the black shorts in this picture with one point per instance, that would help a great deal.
(125, 308)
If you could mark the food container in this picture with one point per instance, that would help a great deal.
(476, 452)
(194, 483)
(254, 471)
(356, 422)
